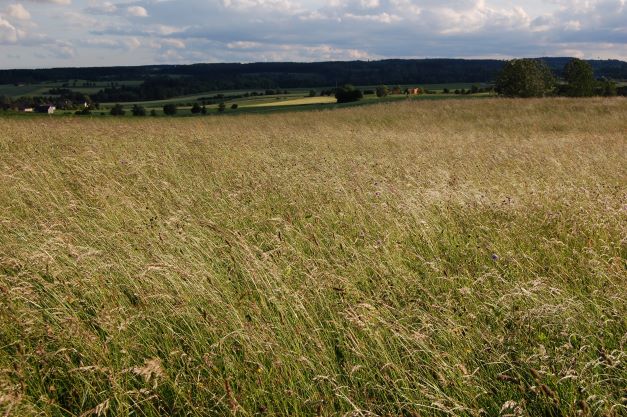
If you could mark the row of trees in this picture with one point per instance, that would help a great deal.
(168, 110)
(532, 78)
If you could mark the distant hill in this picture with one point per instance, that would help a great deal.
(158, 82)
(316, 74)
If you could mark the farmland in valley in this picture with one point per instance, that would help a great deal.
(416, 258)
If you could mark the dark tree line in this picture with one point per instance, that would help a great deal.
(533, 78)
(166, 81)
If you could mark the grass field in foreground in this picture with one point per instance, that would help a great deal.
(415, 258)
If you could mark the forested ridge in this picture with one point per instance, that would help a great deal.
(166, 81)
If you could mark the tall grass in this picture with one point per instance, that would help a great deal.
(459, 258)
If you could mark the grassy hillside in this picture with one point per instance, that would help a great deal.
(417, 258)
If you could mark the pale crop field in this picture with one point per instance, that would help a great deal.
(296, 102)
(419, 258)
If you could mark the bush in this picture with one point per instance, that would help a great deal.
(525, 78)
(138, 110)
(312, 93)
(348, 94)
(234, 106)
(169, 109)
(153, 112)
(606, 88)
(117, 110)
(196, 108)
(221, 107)
(84, 112)
(382, 91)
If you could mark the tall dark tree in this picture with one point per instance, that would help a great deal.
(525, 78)
(580, 78)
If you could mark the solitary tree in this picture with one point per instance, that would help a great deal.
(347, 94)
(382, 91)
(117, 110)
(221, 107)
(169, 109)
(580, 78)
(525, 78)
(234, 106)
(196, 108)
(312, 93)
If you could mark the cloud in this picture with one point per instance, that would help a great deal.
(8, 32)
(60, 2)
(17, 11)
(137, 11)
(263, 30)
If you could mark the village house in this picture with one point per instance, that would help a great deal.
(413, 91)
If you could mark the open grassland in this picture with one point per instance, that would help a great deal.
(418, 258)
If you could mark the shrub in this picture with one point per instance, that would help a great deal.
(84, 112)
(348, 94)
(234, 106)
(138, 110)
(169, 109)
(382, 91)
(221, 107)
(196, 108)
(606, 88)
(117, 110)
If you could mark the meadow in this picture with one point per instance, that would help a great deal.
(413, 258)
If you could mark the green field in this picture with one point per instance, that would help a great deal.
(296, 98)
(409, 258)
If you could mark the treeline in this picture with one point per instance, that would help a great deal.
(534, 78)
(166, 81)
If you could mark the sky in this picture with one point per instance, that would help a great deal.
(61, 33)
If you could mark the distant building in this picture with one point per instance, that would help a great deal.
(45, 109)
(28, 110)
(413, 91)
